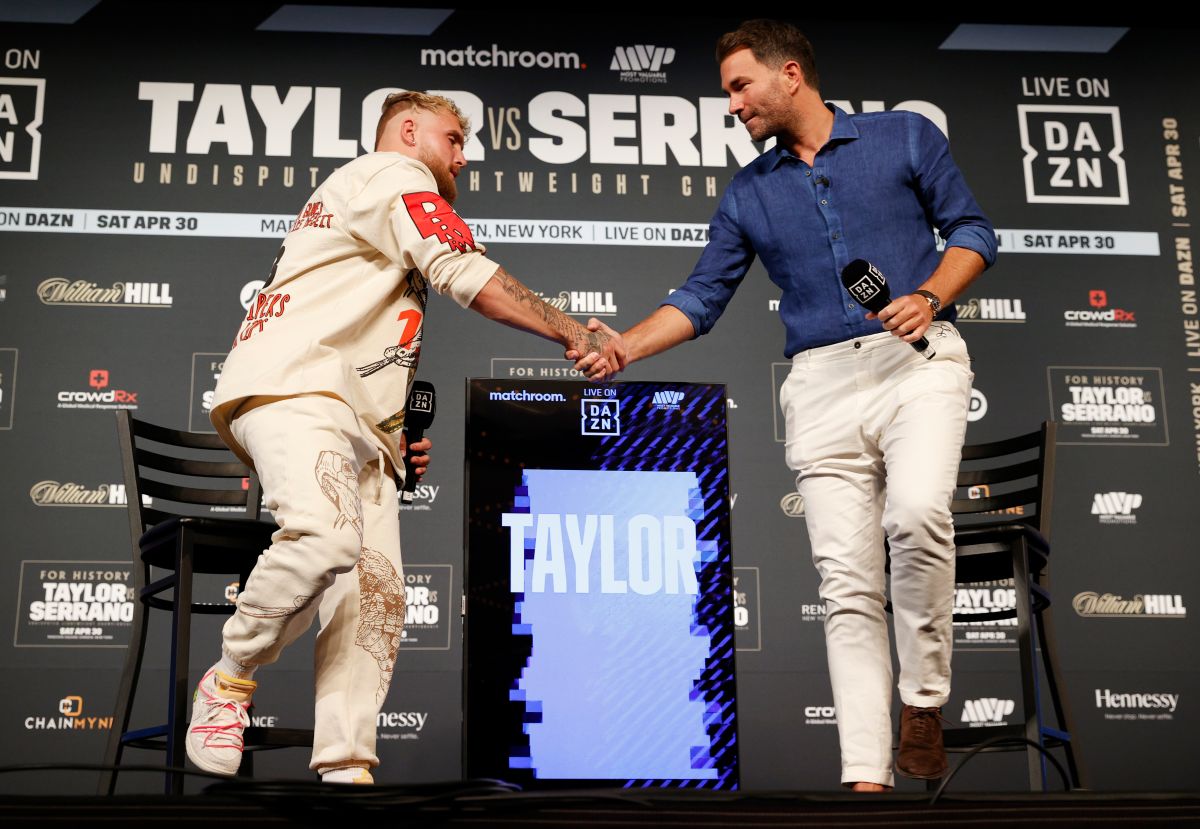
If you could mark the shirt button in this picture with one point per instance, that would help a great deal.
(851, 307)
(824, 201)
(808, 172)
(837, 235)
(858, 345)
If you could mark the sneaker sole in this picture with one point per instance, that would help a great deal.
(203, 766)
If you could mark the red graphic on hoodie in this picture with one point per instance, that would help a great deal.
(434, 217)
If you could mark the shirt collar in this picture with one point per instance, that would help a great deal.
(843, 130)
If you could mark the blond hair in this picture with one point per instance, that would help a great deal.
(402, 101)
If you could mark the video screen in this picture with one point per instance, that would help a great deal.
(599, 638)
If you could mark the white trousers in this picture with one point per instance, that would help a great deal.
(875, 433)
(336, 556)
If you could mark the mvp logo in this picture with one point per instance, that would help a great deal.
(987, 711)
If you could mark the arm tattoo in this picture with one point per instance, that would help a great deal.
(580, 338)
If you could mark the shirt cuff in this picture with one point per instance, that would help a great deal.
(691, 308)
(981, 240)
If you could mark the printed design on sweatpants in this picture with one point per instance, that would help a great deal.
(381, 613)
(264, 612)
(338, 480)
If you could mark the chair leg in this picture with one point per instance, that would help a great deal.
(1062, 705)
(123, 708)
(1031, 706)
(181, 630)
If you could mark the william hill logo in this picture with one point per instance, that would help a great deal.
(70, 718)
(583, 303)
(668, 400)
(70, 494)
(991, 310)
(986, 711)
(59, 291)
(1144, 605)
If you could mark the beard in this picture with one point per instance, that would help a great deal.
(447, 187)
(770, 116)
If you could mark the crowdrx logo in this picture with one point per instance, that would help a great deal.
(1100, 315)
(98, 380)
(1116, 507)
(642, 63)
(986, 711)
(668, 400)
(70, 718)
(21, 102)
(820, 715)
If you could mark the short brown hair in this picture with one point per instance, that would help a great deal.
(773, 43)
(401, 101)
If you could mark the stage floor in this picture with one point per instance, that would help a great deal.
(257, 804)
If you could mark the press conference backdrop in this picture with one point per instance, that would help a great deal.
(146, 181)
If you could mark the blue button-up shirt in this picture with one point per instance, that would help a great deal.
(874, 191)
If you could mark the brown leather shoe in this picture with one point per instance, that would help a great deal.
(922, 755)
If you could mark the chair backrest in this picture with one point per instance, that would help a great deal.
(181, 473)
(1009, 479)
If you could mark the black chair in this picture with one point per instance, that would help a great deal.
(1002, 531)
(189, 477)
(1002, 510)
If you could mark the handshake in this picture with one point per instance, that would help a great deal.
(598, 351)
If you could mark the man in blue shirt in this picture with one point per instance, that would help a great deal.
(874, 429)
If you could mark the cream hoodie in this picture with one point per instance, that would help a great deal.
(343, 310)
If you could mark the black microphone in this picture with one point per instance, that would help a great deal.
(869, 289)
(418, 416)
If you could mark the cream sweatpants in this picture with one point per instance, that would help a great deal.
(875, 433)
(336, 556)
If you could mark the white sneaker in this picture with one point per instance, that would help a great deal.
(351, 774)
(219, 716)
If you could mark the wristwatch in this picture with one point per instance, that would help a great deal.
(933, 299)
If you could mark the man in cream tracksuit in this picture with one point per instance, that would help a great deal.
(313, 394)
